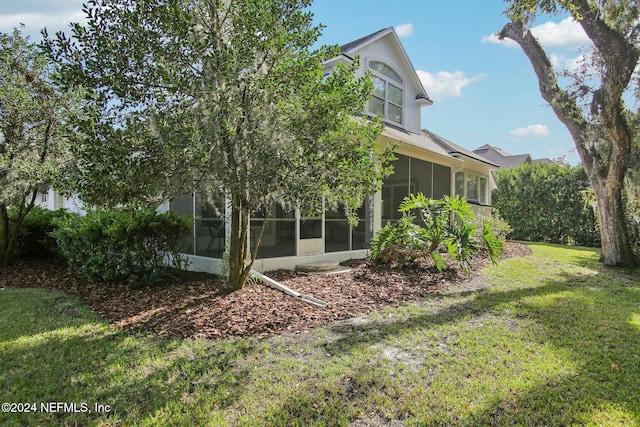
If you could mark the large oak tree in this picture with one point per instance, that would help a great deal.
(218, 96)
(591, 106)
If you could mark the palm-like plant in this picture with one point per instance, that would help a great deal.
(446, 223)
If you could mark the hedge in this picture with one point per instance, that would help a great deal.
(547, 203)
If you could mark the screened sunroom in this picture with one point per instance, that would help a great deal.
(289, 237)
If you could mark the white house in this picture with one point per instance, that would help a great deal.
(425, 163)
(53, 200)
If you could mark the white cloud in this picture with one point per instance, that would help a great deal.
(443, 84)
(566, 34)
(570, 64)
(404, 30)
(532, 131)
(558, 60)
(55, 15)
(493, 38)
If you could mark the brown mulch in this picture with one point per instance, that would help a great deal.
(199, 305)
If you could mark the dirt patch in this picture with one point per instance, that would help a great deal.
(199, 305)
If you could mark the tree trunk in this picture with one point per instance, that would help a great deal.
(616, 246)
(605, 171)
(239, 260)
(4, 236)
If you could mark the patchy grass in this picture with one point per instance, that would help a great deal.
(550, 339)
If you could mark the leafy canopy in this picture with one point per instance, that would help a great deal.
(224, 96)
(34, 113)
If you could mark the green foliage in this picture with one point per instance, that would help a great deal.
(34, 113)
(135, 246)
(631, 195)
(34, 239)
(632, 202)
(496, 224)
(398, 242)
(447, 223)
(547, 203)
(217, 96)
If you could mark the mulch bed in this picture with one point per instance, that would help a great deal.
(199, 305)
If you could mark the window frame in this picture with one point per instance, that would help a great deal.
(482, 194)
(393, 80)
(472, 179)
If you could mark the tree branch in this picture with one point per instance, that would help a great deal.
(564, 106)
(620, 59)
(619, 55)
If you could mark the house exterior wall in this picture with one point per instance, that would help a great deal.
(53, 200)
(481, 204)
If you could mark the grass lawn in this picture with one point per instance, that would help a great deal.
(552, 339)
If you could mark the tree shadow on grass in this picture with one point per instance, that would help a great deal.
(140, 377)
(598, 331)
(588, 318)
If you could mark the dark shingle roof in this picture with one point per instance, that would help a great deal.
(454, 149)
(363, 40)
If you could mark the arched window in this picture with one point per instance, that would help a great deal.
(387, 93)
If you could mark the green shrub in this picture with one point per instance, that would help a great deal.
(547, 203)
(135, 246)
(497, 225)
(398, 243)
(34, 239)
(407, 241)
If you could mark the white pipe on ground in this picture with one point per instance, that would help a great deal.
(279, 286)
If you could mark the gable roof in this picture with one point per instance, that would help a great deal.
(545, 161)
(455, 150)
(501, 157)
(350, 49)
(363, 41)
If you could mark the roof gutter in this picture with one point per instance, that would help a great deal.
(457, 154)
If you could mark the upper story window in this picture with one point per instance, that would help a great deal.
(387, 93)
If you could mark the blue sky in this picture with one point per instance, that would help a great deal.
(484, 92)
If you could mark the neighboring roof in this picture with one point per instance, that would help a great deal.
(455, 150)
(501, 157)
(487, 147)
(515, 161)
(350, 48)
